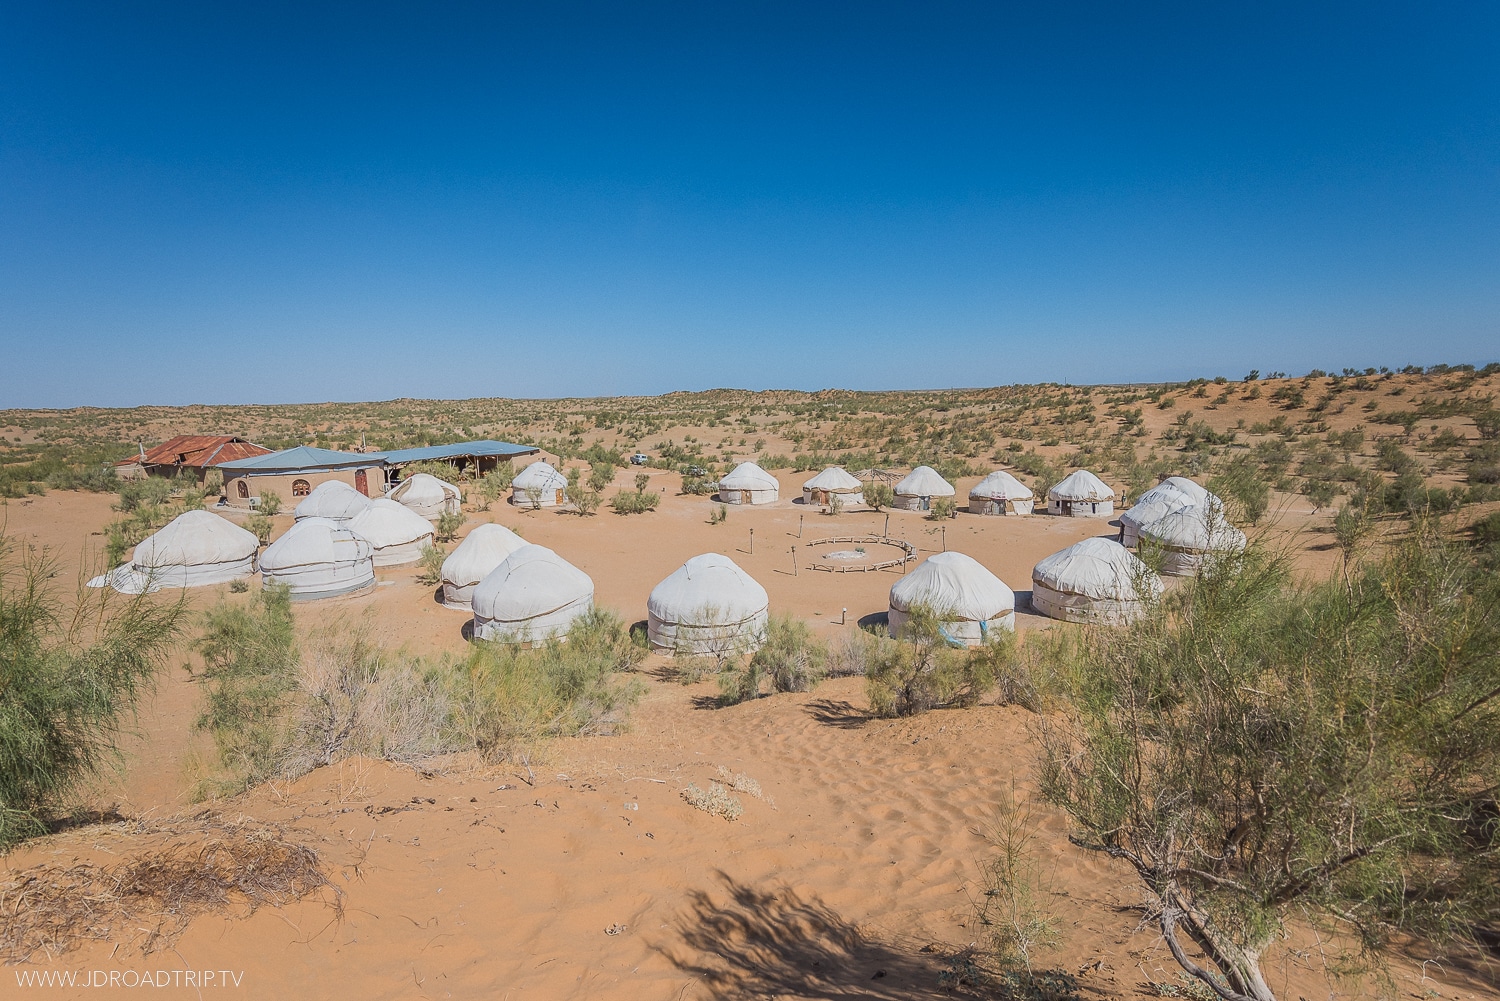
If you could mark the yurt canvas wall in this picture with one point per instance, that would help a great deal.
(539, 485)
(398, 536)
(1096, 580)
(972, 601)
(532, 595)
(833, 482)
(1189, 537)
(1081, 494)
(319, 558)
(1000, 493)
(708, 605)
(195, 549)
(474, 559)
(920, 487)
(747, 483)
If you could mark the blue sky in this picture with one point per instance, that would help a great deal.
(274, 203)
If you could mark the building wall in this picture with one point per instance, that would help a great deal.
(257, 484)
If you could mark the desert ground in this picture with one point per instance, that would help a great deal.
(586, 875)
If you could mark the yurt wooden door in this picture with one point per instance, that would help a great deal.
(559, 498)
(362, 482)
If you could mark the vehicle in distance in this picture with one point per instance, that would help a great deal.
(639, 459)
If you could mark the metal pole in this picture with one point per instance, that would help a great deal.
(752, 542)
(945, 538)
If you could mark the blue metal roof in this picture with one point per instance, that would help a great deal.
(303, 459)
(310, 459)
(459, 450)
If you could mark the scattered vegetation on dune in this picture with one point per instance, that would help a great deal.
(71, 677)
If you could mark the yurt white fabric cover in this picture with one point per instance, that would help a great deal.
(921, 485)
(971, 600)
(428, 496)
(318, 558)
(747, 483)
(550, 486)
(1167, 496)
(830, 482)
(1096, 580)
(1000, 493)
(1081, 494)
(193, 550)
(332, 499)
(1190, 536)
(707, 605)
(397, 535)
(473, 560)
(532, 595)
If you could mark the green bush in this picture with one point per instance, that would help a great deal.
(634, 501)
(514, 698)
(879, 495)
(921, 670)
(69, 680)
(270, 504)
(260, 526)
(601, 475)
(791, 658)
(149, 491)
(431, 565)
(699, 486)
(447, 527)
(943, 508)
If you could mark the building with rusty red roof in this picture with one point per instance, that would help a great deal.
(194, 454)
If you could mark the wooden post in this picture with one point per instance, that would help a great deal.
(945, 538)
(887, 524)
(752, 542)
(799, 524)
(794, 561)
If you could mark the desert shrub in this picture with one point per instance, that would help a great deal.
(1012, 884)
(634, 501)
(790, 657)
(260, 526)
(1241, 483)
(851, 653)
(835, 504)
(586, 502)
(1347, 725)
(699, 486)
(514, 698)
(270, 504)
(447, 527)
(430, 565)
(149, 491)
(642, 481)
(719, 514)
(491, 486)
(98, 479)
(70, 678)
(715, 801)
(213, 483)
(601, 475)
(879, 495)
(922, 671)
(943, 508)
(250, 665)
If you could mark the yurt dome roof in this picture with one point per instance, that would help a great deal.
(954, 584)
(423, 488)
(1097, 568)
(711, 582)
(528, 583)
(1001, 484)
(749, 476)
(834, 478)
(482, 551)
(332, 499)
(1082, 485)
(1196, 528)
(387, 523)
(194, 538)
(539, 475)
(311, 541)
(924, 481)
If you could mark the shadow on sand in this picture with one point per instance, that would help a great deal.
(840, 714)
(779, 944)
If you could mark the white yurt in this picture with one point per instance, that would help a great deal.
(194, 549)
(1167, 496)
(1190, 536)
(1000, 493)
(1096, 580)
(707, 605)
(397, 534)
(747, 483)
(533, 594)
(481, 552)
(915, 493)
(427, 496)
(319, 558)
(1081, 494)
(332, 499)
(541, 481)
(833, 482)
(971, 600)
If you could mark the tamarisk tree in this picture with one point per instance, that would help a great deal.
(1261, 752)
